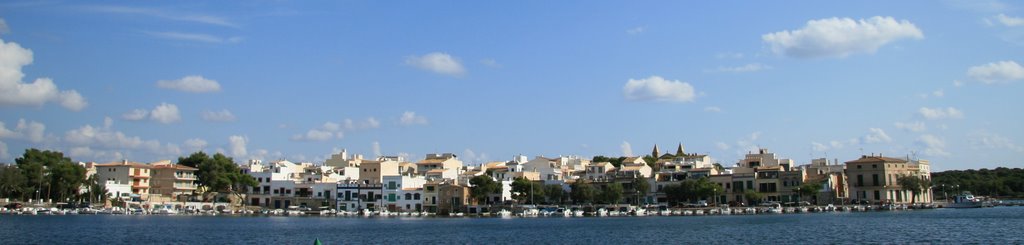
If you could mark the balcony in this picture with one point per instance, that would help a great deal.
(138, 175)
(184, 177)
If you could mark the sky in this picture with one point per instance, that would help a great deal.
(299, 80)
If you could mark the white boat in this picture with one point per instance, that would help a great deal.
(640, 212)
(577, 213)
(601, 212)
(965, 200)
(775, 209)
(165, 210)
(504, 213)
(687, 212)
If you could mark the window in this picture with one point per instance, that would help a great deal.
(391, 185)
(408, 196)
(416, 196)
(860, 180)
(874, 165)
(878, 196)
(874, 179)
(859, 166)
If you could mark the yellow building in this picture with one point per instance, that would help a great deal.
(874, 179)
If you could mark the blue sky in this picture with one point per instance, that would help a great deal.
(102, 81)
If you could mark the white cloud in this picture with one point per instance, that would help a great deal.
(876, 135)
(933, 146)
(635, 30)
(105, 142)
(197, 18)
(376, 149)
(30, 131)
(1010, 20)
(195, 37)
(840, 37)
(191, 84)
(15, 92)
(712, 109)
(437, 62)
(491, 63)
(958, 83)
(410, 118)
(219, 116)
(911, 126)
(938, 93)
(722, 146)
(819, 146)
(237, 144)
(940, 113)
(627, 149)
(4, 29)
(469, 156)
(368, 123)
(195, 144)
(332, 130)
(3, 146)
(752, 67)
(997, 72)
(165, 113)
(986, 140)
(658, 89)
(135, 115)
(316, 135)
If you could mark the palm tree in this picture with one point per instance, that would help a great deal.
(915, 184)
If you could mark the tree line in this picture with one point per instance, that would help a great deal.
(49, 175)
(999, 182)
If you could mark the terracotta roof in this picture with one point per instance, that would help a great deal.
(175, 166)
(633, 167)
(117, 164)
(436, 171)
(431, 161)
(877, 159)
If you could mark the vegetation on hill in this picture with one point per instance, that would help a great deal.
(999, 182)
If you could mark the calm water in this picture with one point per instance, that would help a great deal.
(1001, 225)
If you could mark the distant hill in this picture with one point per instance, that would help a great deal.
(999, 182)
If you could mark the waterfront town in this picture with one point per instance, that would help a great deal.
(674, 182)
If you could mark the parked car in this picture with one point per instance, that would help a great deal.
(13, 205)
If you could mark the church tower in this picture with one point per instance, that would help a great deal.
(655, 152)
(679, 151)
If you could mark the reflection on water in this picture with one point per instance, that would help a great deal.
(987, 226)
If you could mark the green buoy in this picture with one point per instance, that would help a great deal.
(316, 242)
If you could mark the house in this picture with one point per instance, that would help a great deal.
(875, 179)
(402, 193)
(599, 171)
(173, 181)
(354, 196)
(444, 166)
(373, 171)
(137, 175)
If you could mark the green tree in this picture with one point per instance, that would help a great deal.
(753, 196)
(582, 192)
(54, 176)
(641, 188)
(218, 174)
(483, 186)
(97, 192)
(916, 185)
(554, 194)
(808, 189)
(12, 182)
(526, 191)
(612, 193)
